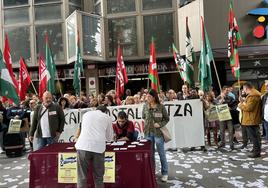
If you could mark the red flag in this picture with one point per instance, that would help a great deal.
(24, 80)
(121, 73)
(43, 76)
(7, 58)
(153, 73)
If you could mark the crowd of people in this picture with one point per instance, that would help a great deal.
(44, 119)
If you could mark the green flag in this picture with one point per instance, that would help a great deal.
(78, 68)
(189, 57)
(206, 57)
(50, 64)
(7, 87)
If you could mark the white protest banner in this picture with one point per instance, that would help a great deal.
(185, 125)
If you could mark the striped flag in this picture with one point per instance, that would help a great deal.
(153, 73)
(234, 41)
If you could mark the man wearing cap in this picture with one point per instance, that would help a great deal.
(96, 129)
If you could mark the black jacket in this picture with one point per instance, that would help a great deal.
(56, 120)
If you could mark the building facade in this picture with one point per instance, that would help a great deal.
(102, 24)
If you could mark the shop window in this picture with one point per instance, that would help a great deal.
(124, 31)
(55, 40)
(15, 2)
(156, 4)
(19, 41)
(46, 1)
(117, 6)
(161, 28)
(16, 15)
(91, 35)
(48, 12)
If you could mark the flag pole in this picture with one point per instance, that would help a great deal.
(239, 91)
(217, 75)
(34, 87)
(58, 82)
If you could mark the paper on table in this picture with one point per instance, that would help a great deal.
(70, 147)
(119, 143)
(131, 146)
(143, 140)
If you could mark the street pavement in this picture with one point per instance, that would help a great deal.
(213, 168)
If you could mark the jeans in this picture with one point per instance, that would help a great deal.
(84, 158)
(39, 143)
(265, 124)
(230, 131)
(159, 141)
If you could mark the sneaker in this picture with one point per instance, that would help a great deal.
(164, 178)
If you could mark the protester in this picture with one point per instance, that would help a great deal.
(243, 128)
(137, 99)
(129, 100)
(123, 128)
(185, 93)
(63, 102)
(172, 95)
(94, 102)
(265, 110)
(251, 109)
(155, 116)
(213, 125)
(101, 98)
(108, 101)
(223, 98)
(32, 106)
(96, 129)
(3, 129)
(48, 123)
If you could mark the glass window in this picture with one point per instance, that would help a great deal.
(156, 4)
(116, 6)
(76, 2)
(48, 12)
(45, 1)
(161, 28)
(15, 2)
(97, 9)
(72, 8)
(16, 15)
(91, 35)
(71, 29)
(55, 40)
(19, 41)
(123, 30)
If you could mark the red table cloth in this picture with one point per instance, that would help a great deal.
(133, 167)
